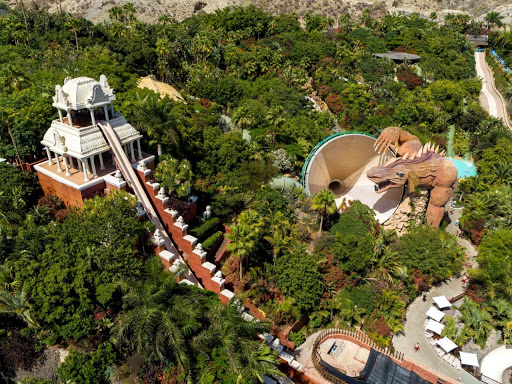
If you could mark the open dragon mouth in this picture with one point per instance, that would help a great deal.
(382, 185)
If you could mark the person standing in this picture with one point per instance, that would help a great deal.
(416, 347)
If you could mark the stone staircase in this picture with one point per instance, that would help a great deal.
(222, 250)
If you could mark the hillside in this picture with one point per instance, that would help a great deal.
(149, 10)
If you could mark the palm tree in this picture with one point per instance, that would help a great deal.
(493, 18)
(7, 281)
(389, 265)
(350, 313)
(129, 10)
(366, 19)
(243, 118)
(234, 335)
(280, 230)
(115, 13)
(17, 305)
(74, 25)
(164, 49)
(162, 316)
(324, 204)
(258, 363)
(478, 202)
(251, 219)
(392, 308)
(288, 76)
(21, 6)
(504, 173)
(501, 311)
(477, 319)
(118, 30)
(157, 117)
(275, 117)
(279, 242)
(243, 241)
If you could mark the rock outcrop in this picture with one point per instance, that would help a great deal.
(411, 211)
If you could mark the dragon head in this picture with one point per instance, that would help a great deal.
(386, 177)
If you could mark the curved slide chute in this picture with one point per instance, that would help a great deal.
(133, 181)
(340, 163)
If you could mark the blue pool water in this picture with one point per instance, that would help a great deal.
(465, 168)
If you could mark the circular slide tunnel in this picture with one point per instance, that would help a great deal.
(340, 163)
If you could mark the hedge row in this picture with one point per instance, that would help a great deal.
(210, 242)
(207, 227)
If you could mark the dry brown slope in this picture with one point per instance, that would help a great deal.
(149, 10)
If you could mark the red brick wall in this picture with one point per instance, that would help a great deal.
(71, 197)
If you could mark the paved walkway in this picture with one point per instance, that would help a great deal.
(414, 331)
(490, 99)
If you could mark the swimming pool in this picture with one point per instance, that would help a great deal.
(465, 168)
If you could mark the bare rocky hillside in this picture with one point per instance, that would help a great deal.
(149, 10)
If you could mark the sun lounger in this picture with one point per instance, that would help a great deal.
(428, 335)
(433, 342)
(446, 357)
(440, 352)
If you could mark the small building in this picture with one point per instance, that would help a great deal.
(480, 41)
(79, 156)
(398, 57)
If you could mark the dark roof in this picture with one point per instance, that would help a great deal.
(478, 39)
(398, 56)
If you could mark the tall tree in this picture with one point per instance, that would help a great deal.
(324, 204)
(275, 118)
(494, 18)
(74, 25)
(161, 315)
(156, 116)
(242, 243)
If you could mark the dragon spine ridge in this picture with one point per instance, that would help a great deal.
(422, 154)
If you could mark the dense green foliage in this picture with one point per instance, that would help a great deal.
(81, 368)
(70, 269)
(299, 277)
(85, 277)
(434, 253)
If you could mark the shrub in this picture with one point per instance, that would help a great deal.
(433, 252)
(349, 225)
(298, 275)
(205, 228)
(297, 338)
(363, 296)
(410, 79)
(82, 368)
(210, 242)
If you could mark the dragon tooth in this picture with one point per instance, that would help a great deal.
(404, 157)
(442, 153)
(437, 149)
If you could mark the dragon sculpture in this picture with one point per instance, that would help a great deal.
(419, 166)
